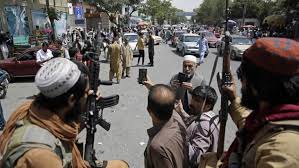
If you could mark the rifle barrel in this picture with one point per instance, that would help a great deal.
(226, 80)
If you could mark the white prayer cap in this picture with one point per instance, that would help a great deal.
(190, 58)
(56, 77)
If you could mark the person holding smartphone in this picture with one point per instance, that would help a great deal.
(184, 82)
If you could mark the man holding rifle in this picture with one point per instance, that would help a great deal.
(42, 133)
(267, 136)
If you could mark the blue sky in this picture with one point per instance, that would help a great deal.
(186, 5)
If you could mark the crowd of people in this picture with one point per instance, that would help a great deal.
(42, 132)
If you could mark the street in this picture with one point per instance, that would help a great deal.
(127, 137)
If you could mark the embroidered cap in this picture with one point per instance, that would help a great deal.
(190, 58)
(56, 77)
(276, 55)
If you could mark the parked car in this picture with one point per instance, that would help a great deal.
(237, 47)
(212, 39)
(174, 39)
(23, 64)
(132, 39)
(187, 44)
(157, 39)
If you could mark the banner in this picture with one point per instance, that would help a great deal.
(40, 20)
(60, 25)
(17, 21)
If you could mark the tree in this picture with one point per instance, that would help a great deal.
(161, 10)
(210, 12)
(52, 15)
(114, 7)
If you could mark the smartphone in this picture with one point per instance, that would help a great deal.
(142, 75)
(182, 77)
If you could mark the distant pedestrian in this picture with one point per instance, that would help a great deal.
(203, 47)
(114, 53)
(64, 52)
(140, 45)
(127, 57)
(44, 54)
(151, 49)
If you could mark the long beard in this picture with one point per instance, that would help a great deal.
(249, 100)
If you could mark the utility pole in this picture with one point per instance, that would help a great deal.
(244, 12)
(47, 6)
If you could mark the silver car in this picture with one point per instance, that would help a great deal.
(187, 44)
(237, 47)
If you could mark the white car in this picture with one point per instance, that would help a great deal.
(187, 44)
(237, 47)
(157, 39)
(132, 39)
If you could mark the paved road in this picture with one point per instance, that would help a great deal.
(127, 137)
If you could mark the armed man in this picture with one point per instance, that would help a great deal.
(42, 133)
(267, 136)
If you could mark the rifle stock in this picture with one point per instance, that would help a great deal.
(225, 80)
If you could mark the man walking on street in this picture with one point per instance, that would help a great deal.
(140, 45)
(167, 146)
(267, 136)
(127, 57)
(114, 53)
(151, 49)
(42, 133)
(203, 47)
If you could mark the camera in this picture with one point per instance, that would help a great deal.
(182, 77)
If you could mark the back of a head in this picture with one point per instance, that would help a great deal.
(161, 99)
(206, 92)
(271, 66)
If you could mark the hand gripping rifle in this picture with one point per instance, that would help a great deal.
(94, 114)
(224, 81)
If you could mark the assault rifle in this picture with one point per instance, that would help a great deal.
(94, 114)
(224, 81)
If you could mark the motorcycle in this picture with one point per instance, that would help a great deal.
(4, 81)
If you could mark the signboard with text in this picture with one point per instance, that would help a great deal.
(78, 10)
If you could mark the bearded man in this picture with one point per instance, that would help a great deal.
(267, 115)
(42, 133)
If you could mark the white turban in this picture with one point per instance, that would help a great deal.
(191, 58)
(56, 77)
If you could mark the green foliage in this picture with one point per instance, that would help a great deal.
(114, 7)
(161, 10)
(53, 14)
(254, 9)
(213, 11)
(210, 12)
